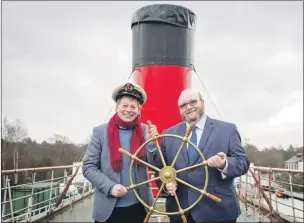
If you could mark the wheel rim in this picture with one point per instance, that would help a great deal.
(172, 174)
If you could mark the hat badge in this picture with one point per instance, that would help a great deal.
(128, 87)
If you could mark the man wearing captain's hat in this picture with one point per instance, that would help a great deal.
(108, 170)
(132, 90)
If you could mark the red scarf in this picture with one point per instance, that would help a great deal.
(137, 139)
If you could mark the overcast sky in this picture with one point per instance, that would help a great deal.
(61, 61)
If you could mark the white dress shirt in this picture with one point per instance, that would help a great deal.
(199, 132)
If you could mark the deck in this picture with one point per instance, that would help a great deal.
(82, 212)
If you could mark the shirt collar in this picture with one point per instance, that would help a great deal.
(201, 123)
(120, 127)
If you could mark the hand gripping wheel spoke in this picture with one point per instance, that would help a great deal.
(168, 174)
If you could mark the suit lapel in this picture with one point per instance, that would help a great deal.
(182, 131)
(206, 133)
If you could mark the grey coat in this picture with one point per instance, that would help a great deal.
(98, 170)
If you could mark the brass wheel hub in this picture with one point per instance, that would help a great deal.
(167, 174)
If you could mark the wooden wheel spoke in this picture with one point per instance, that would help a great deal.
(181, 211)
(177, 154)
(157, 144)
(147, 164)
(151, 209)
(187, 184)
(142, 183)
(191, 167)
(203, 192)
(161, 154)
(158, 193)
(183, 143)
(133, 157)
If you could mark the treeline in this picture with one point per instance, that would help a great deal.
(20, 151)
(33, 154)
(274, 157)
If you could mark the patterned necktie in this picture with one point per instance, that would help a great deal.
(191, 150)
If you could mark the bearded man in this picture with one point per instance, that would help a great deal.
(220, 144)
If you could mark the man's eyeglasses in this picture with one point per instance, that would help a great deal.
(191, 103)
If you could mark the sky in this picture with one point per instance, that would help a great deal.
(62, 60)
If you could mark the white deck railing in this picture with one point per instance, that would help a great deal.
(259, 188)
(29, 208)
(256, 189)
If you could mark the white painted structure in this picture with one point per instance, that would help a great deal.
(79, 177)
(295, 162)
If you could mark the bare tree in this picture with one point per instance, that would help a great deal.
(14, 133)
(56, 138)
(21, 133)
(8, 135)
(61, 142)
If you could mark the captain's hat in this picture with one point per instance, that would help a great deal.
(130, 89)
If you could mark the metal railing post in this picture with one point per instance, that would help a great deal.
(65, 175)
(270, 191)
(255, 194)
(240, 183)
(10, 199)
(31, 206)
(5, 195)
(260, 195)
(51, 191)
(293, 208)
(275, 196)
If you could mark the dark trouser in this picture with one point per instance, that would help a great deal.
(135, 213)
(191, 220)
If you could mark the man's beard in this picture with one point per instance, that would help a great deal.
(196, 118)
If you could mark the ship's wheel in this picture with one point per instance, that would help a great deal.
(168, 174)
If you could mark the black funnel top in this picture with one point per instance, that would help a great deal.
(163, 35)
(172, 14)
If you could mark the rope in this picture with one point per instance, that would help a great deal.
(206, 91)
(82, 159)
(129, 76)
